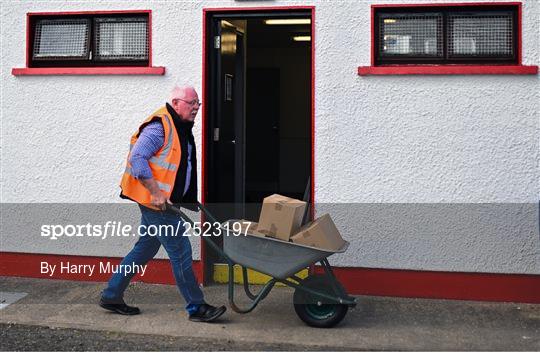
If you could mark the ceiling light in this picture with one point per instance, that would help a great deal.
(289, 21)
(227, 23)
(389, 20)
(302, 38)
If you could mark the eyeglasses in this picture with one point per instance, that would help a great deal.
(192, 103)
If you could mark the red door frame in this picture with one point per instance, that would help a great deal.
(206, 13)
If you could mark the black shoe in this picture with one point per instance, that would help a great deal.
(119, 307)
(207, 313)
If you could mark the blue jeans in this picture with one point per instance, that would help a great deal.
(178, 249)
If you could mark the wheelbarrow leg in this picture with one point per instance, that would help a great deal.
(330, 276)
(329, 273)
(257, 298)
(246, 284)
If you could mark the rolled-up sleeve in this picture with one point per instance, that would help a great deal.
(150, 140)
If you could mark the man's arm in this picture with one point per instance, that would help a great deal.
(150, 140)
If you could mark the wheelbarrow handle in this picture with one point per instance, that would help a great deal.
(175, 209)
(210, 217)
(203, 209)
(206, 212)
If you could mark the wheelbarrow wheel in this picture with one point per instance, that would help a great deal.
(314, 310)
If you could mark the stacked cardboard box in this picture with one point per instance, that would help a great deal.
(321, 233)
(281, 218)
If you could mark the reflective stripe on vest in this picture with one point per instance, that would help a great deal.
(162, 186)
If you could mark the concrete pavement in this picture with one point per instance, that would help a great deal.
(378, 323)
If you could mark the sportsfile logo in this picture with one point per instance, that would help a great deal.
(118, 229)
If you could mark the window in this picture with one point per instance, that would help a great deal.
(89, 40)
(446, 35)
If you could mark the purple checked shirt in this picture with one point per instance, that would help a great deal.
(150, 140)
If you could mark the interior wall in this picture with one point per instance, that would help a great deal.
(295, 87)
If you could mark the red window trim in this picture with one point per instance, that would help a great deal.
(448, 69)
(112, 70)
(107, 70)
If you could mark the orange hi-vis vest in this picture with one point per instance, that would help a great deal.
(164, 164)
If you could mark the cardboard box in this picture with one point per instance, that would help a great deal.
(321, 233)
(281, 216)
(251, 228)
(232, 226)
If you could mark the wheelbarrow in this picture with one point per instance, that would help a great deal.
(319, 299)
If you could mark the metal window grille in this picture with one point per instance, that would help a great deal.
(480, 35)
(410, 35)
(121, 39)
(61, 39)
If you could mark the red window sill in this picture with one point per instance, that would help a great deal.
(448, 70)
(119, 70)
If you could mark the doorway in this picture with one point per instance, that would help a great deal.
(258, 117)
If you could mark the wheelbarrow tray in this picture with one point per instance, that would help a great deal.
(273, 257)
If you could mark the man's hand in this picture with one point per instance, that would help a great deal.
(158, 199)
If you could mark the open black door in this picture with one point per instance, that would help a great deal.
(225, 134)
(226, 155)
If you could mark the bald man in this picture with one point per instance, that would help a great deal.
(162, 168)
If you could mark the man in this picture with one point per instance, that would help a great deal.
(162, 168)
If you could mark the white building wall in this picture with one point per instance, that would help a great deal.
(379, 139)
